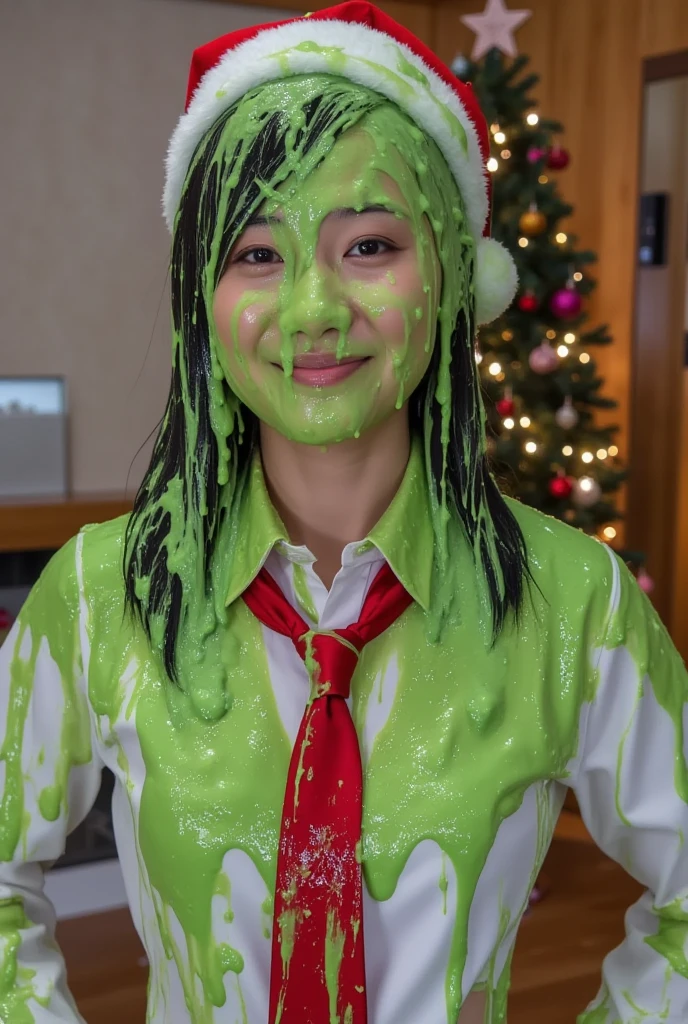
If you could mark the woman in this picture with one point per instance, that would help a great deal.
(342, 682)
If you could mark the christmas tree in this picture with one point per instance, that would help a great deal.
(541, 385)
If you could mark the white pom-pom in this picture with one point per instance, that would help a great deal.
(496, 280)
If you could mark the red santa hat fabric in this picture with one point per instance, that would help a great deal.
(360, 42)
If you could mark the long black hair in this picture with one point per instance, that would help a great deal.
(189, 498)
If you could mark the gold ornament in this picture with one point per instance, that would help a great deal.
(532, 223)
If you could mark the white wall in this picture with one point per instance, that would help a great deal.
(89, 93)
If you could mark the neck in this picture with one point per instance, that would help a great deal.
(328, 498)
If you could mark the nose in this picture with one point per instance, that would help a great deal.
(314, 305)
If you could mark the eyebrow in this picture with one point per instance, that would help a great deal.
(342, 213)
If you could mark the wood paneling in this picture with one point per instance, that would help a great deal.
(664, 27)
(35, 525)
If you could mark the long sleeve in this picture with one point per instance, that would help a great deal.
(631, 780)
(49, 778)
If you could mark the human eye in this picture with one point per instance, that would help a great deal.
(259, 255)
(371, 247)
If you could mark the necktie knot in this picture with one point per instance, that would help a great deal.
(331, 660)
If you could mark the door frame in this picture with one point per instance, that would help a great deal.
(656, 408)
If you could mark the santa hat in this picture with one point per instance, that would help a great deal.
(366, 46)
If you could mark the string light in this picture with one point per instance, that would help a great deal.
(586, 483)
(562, 237)
(609, 532)
(478, 357)
(494, 128)
(506, 153)
(578, 276)
(584, 357)
(543, 179)
(562, 351)
(509, 423)
(602, 453)
(507, 336)
(551, 335)
(523, 242)
(613, 450)
(567, 450)
(500, 376)
(587, 457)
(500, 138)
(531, 447)
(532, 119)
(525, 421)
(492, 164)
(569, 338)
(494, 369)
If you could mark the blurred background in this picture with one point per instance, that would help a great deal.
(585, 377)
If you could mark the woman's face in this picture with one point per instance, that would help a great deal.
(325, 313)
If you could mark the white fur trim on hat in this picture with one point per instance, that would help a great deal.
(372, 59)
(496, 280)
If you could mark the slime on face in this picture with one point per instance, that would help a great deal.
(315, 302)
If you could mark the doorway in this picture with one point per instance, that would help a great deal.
(658, 486)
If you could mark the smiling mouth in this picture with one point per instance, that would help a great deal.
(321, 369)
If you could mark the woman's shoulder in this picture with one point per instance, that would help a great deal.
(100, 557)
(565, 561)
(89, 564)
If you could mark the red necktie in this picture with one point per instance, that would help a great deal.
(317, 973)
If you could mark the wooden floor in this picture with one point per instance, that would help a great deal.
(556, 969)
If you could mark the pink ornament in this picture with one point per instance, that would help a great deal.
(534, 154)
(566, 303)
(645, 581)
(543, 359)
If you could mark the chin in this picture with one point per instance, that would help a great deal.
(320, 434)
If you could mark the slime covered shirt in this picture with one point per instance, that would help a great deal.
(467, 749)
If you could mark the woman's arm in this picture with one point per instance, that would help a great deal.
(631, 781)
(49, 778)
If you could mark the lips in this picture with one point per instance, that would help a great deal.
(322, 369)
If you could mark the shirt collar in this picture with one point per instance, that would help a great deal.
(404, 534)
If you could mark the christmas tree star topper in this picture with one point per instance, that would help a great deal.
(495, 27)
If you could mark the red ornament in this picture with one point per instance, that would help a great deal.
(528, 302)
(560, 487)
(506, 406)
(558, 158)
